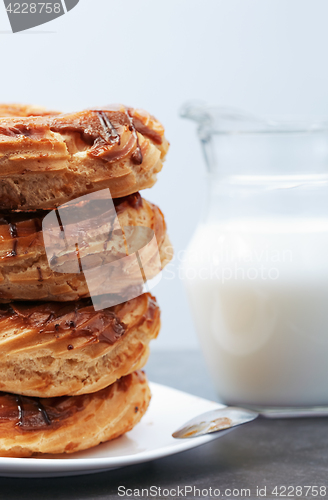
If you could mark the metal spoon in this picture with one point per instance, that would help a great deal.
(215, 421)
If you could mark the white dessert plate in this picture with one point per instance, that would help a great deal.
(149, 440)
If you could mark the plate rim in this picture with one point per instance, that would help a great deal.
(53, 465)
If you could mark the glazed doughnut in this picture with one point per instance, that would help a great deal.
(30, 426)
(46, 161)
(56, 349)
(25, 272)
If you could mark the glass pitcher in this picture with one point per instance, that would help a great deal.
(256, 270)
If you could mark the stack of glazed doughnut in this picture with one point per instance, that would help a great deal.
(73, 341)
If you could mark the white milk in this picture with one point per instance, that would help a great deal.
(259, 296)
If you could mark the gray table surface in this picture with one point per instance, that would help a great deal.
(262, 454)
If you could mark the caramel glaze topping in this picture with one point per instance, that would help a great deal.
(100, 130)
(37, 131)
(103, 124)
(7, 219)
(77, 319)
(134, 200)
(35, 414)
(103, 128)
(137, 155)
(14, 218)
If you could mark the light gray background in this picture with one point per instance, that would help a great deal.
(266, 56)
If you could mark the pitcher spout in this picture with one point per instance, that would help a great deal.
(221, 119)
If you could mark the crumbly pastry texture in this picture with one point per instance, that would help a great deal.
(47, 160)
(31, 426)
(24, 267)
(57, 349)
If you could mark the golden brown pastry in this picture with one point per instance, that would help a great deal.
(25, 273)
(30, 426)
(46, 161)
(24, 110)
(56, 349)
